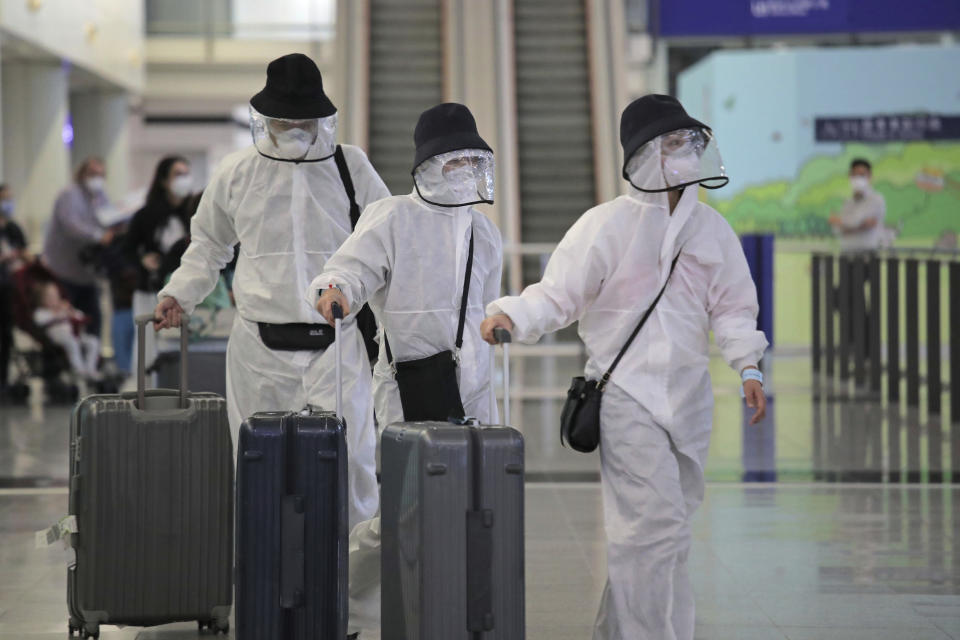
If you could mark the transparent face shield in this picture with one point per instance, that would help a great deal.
(294, 140)
(456, 178)
(675, 160)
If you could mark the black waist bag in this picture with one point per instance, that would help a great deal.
(428, 386)
(298, 336)
(580, 418)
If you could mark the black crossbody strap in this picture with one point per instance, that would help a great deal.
(463, 303)
(466, 292)
(347, 185)
(643, 321)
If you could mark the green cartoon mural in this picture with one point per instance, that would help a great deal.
(920, 181)
(785, 178)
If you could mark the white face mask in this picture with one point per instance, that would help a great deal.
(95, 184)
(681, 169)
(859, 184)
(6, 208)
(181, 185)
(294, 143)
(462, 183)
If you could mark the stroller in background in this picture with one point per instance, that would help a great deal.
(34, 354)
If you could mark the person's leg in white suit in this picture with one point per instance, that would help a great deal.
(650, 491)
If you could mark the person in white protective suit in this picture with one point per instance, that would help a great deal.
(285, 202)
(408, 257)
(655, 415)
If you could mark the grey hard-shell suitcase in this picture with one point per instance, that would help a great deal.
(452, 558)
(292, 523)
(151, 487)
(208, 366)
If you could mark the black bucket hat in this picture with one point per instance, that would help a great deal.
(445, 127)
(648, 117)
(294, 90)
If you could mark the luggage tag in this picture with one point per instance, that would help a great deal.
(58, 531)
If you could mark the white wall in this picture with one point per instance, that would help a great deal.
(101, 127)
(104, 37)
(36, 160)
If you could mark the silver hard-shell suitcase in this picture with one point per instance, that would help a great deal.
(151, 487)
(452, 558)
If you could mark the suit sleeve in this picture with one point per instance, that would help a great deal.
(571, 282)
(361, 265)
(367, 182)
(732, 306)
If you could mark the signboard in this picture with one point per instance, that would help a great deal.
(785, 17)
(888, 128)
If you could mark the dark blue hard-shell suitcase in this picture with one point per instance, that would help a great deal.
(292, 544)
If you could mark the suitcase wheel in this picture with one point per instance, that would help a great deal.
(74, 627)
(221, 625)
(91, 631)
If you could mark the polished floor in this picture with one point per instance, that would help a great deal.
(809, 556)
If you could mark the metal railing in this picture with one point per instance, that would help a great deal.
(878, 340)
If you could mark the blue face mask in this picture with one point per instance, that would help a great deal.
(6, 208)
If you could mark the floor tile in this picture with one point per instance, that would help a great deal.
(863, 633)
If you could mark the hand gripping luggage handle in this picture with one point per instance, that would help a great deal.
(338, 354)
(142, 322)
(503, 337)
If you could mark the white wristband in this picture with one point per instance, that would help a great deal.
(750, 374)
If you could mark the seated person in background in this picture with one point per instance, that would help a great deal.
(13, 250)
(62, 322)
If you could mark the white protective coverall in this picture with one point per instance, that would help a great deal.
(407, 259)
(656, 415)
(289, 218)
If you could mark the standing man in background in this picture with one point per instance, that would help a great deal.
(74, 227)
(860, 228)
(860, 222)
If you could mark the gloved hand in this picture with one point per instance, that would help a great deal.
(493, 322)
(325, 303)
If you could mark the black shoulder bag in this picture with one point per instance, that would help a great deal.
(366, 321)
(580, 418)
(428, 386)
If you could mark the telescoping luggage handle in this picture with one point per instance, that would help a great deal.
(337, 353)
(502, 336)
(142, 322)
